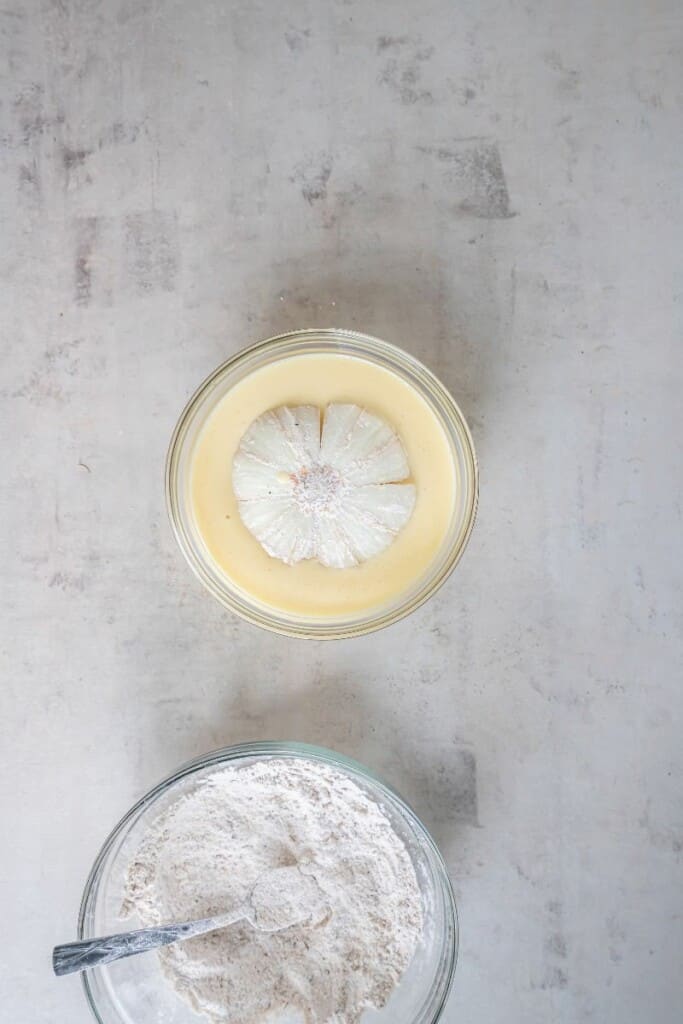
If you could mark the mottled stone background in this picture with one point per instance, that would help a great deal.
(497, 187)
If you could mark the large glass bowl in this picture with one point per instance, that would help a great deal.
(204, 401)
(134, 991)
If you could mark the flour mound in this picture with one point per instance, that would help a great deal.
(204, 856)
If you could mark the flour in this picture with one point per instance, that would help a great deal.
(204, 856)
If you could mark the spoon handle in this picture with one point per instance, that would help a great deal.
(80, 956)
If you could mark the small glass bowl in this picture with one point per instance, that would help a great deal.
(134, 991)
(235, 369)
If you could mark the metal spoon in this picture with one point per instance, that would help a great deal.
(279, 899)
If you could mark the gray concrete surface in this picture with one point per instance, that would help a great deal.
(497, 187)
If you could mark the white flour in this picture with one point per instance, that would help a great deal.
(204, 855)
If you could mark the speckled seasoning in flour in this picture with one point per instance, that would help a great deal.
(204, 855)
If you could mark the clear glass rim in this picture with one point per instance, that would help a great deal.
(429, 385)
(429, 1014)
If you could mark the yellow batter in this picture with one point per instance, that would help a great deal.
(309, 588)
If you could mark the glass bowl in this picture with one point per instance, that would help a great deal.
(235, 369)
(134, 991)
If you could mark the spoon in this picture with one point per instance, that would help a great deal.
(280, 898)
